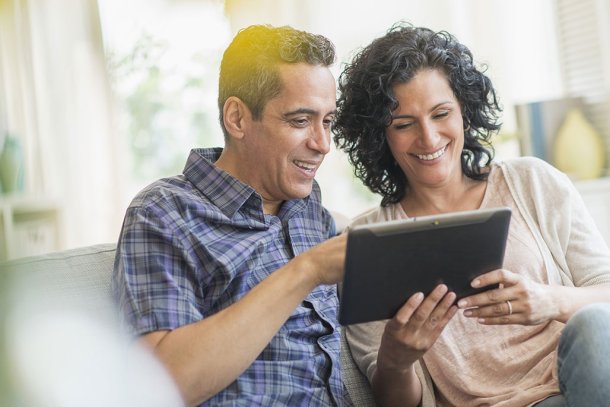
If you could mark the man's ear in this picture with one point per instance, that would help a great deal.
(235, 115)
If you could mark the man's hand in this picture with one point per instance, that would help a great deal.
(326, 260)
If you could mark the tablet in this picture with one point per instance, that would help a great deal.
(388, 262)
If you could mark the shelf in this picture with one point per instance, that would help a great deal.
(28, 226)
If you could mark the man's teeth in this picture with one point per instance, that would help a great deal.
(428, 157)
(305, 166)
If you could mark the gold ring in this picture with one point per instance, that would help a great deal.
(510, 307)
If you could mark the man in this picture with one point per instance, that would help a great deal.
(226, 271)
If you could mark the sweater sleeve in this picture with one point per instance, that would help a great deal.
(556, 209)
(586, 253)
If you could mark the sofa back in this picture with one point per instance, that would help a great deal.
(81, 274)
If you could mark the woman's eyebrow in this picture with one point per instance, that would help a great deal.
(408, 116)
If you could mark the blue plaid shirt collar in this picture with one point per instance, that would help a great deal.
(227, 192)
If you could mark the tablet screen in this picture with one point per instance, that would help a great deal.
(388, 262)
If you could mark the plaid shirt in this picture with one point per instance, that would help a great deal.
(193, 244)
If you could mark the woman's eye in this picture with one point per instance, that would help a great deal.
(440, 115)
(402, 126)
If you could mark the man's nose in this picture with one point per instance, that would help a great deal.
(320, 139)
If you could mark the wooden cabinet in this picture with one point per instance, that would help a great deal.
(28, 226)
(596, 194)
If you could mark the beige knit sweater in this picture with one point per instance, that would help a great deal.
(571, 252)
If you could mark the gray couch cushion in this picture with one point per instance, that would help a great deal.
(356, 383)
(81, 274)
(64, 337)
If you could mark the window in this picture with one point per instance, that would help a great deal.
(583, 30)
(163, 60)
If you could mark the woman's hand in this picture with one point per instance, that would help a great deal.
(517, 301)
(415, 328)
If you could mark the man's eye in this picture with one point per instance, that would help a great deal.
(300, 122)
(328, 123)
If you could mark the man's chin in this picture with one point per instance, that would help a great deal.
(302, 191)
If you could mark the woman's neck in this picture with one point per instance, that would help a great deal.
(465, 195)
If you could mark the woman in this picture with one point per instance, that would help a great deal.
(415, 116)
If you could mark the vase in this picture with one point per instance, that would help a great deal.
(11, 166)
(578, 148)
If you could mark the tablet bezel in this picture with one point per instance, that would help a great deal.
(474, 239)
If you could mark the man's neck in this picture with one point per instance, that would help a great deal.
(229, 163)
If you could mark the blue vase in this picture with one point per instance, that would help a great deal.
(12, 166)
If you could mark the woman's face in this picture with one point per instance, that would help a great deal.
(426, 136)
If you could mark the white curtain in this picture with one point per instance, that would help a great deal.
(17, 97)
(58, 101)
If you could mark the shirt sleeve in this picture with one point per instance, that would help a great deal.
(154, 280)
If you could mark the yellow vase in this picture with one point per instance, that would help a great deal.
(578, 149)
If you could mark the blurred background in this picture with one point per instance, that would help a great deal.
(98, 98)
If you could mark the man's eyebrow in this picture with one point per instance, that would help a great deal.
(301, 110)
(304, 110)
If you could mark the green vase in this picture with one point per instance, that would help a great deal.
(11, 166)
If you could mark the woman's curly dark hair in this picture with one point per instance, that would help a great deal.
(366, 103)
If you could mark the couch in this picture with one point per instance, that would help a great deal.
(85, 273)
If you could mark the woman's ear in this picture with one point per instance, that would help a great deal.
(234, 115)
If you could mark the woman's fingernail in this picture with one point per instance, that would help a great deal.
(476, 283)
(467, 313)
(462, 303)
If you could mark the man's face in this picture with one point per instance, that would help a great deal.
(287, 145)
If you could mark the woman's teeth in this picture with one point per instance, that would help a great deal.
(428, 157)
